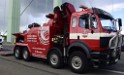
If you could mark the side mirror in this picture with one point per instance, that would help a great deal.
(119, 22)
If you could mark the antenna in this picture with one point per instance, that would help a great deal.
(112, 7)
(91, 5)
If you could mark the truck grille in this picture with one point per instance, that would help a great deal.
(104, 41)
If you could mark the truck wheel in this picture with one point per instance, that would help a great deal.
(26, 54)
(78, 62)
(17, 53)
(55, 60)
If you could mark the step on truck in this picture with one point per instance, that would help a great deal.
(81, 39)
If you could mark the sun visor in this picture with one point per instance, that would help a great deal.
(102, 13)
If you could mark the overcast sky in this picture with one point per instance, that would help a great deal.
(39, 8)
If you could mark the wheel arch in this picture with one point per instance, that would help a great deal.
(23, 46)
(79, 46)
(54, 48)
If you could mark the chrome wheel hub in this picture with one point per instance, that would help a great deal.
(54, 59)
(76, 62)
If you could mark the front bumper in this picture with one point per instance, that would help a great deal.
(107, 57)
(112, 54)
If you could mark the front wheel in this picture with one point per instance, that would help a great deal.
(55, 60)
(78, 62)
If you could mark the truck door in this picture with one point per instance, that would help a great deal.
(88, 30)
(73, 29)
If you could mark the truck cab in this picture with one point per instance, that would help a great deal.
(90, 27)
(97, 30)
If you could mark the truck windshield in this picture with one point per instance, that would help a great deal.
(108, 24)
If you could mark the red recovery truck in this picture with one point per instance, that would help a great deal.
(80, 39)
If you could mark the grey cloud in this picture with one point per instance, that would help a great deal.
(37, 7)
(36, 10)
(40, 7)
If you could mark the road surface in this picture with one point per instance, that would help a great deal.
(11, 66)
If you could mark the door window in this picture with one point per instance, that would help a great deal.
(84, 21)
(93, 22)
(74, 22)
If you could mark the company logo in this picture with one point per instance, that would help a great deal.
(44, 35)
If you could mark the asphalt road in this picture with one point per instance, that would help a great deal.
(11, 66)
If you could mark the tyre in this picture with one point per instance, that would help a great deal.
(17, 53)
(26, 54)
(55, 59)
(78, 62)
